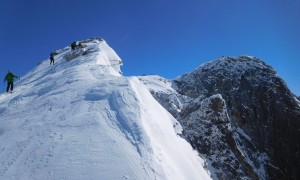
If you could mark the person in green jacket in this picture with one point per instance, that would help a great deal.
(10, 81)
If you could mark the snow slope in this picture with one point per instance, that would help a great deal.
(81, 119)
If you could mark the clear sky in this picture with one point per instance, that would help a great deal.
(163, 37)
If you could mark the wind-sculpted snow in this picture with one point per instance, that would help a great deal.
(81, 119)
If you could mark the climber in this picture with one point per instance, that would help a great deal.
(73, 45)
(10, 81)
(80, 45)
(51, 58)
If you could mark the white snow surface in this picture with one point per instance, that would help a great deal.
(80, 119)
(157, 83)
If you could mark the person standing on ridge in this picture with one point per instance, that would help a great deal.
(10, 81)
(73, 45)
(51, 58)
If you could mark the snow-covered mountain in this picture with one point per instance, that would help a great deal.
(81, 119)
(239, 115)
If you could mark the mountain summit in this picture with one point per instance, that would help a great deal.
(240, 116)
(81, 119)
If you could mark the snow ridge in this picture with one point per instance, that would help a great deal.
(81, 119)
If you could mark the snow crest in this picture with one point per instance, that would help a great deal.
(81, 119)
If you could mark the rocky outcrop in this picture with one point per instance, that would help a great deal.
(260, 104)
(241, 117)
(207, 127)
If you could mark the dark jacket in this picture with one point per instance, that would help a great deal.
(10, 77)
(51, 56)
(73, 45)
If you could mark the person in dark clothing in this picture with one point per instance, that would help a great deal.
(10, 81)
(73, 45)
(51, 58)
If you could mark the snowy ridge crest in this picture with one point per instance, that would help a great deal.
(93, 60)
(81, 119)
(94, 51)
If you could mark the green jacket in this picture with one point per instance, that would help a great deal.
(10, 77)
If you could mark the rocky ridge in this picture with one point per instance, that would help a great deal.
(239, 115)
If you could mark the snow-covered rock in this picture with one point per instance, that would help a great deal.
(260, 104)
(81, 119)
(250, 130)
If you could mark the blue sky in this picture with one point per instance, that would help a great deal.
(163, 37)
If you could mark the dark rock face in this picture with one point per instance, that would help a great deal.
(241, 117)
(207, 126)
